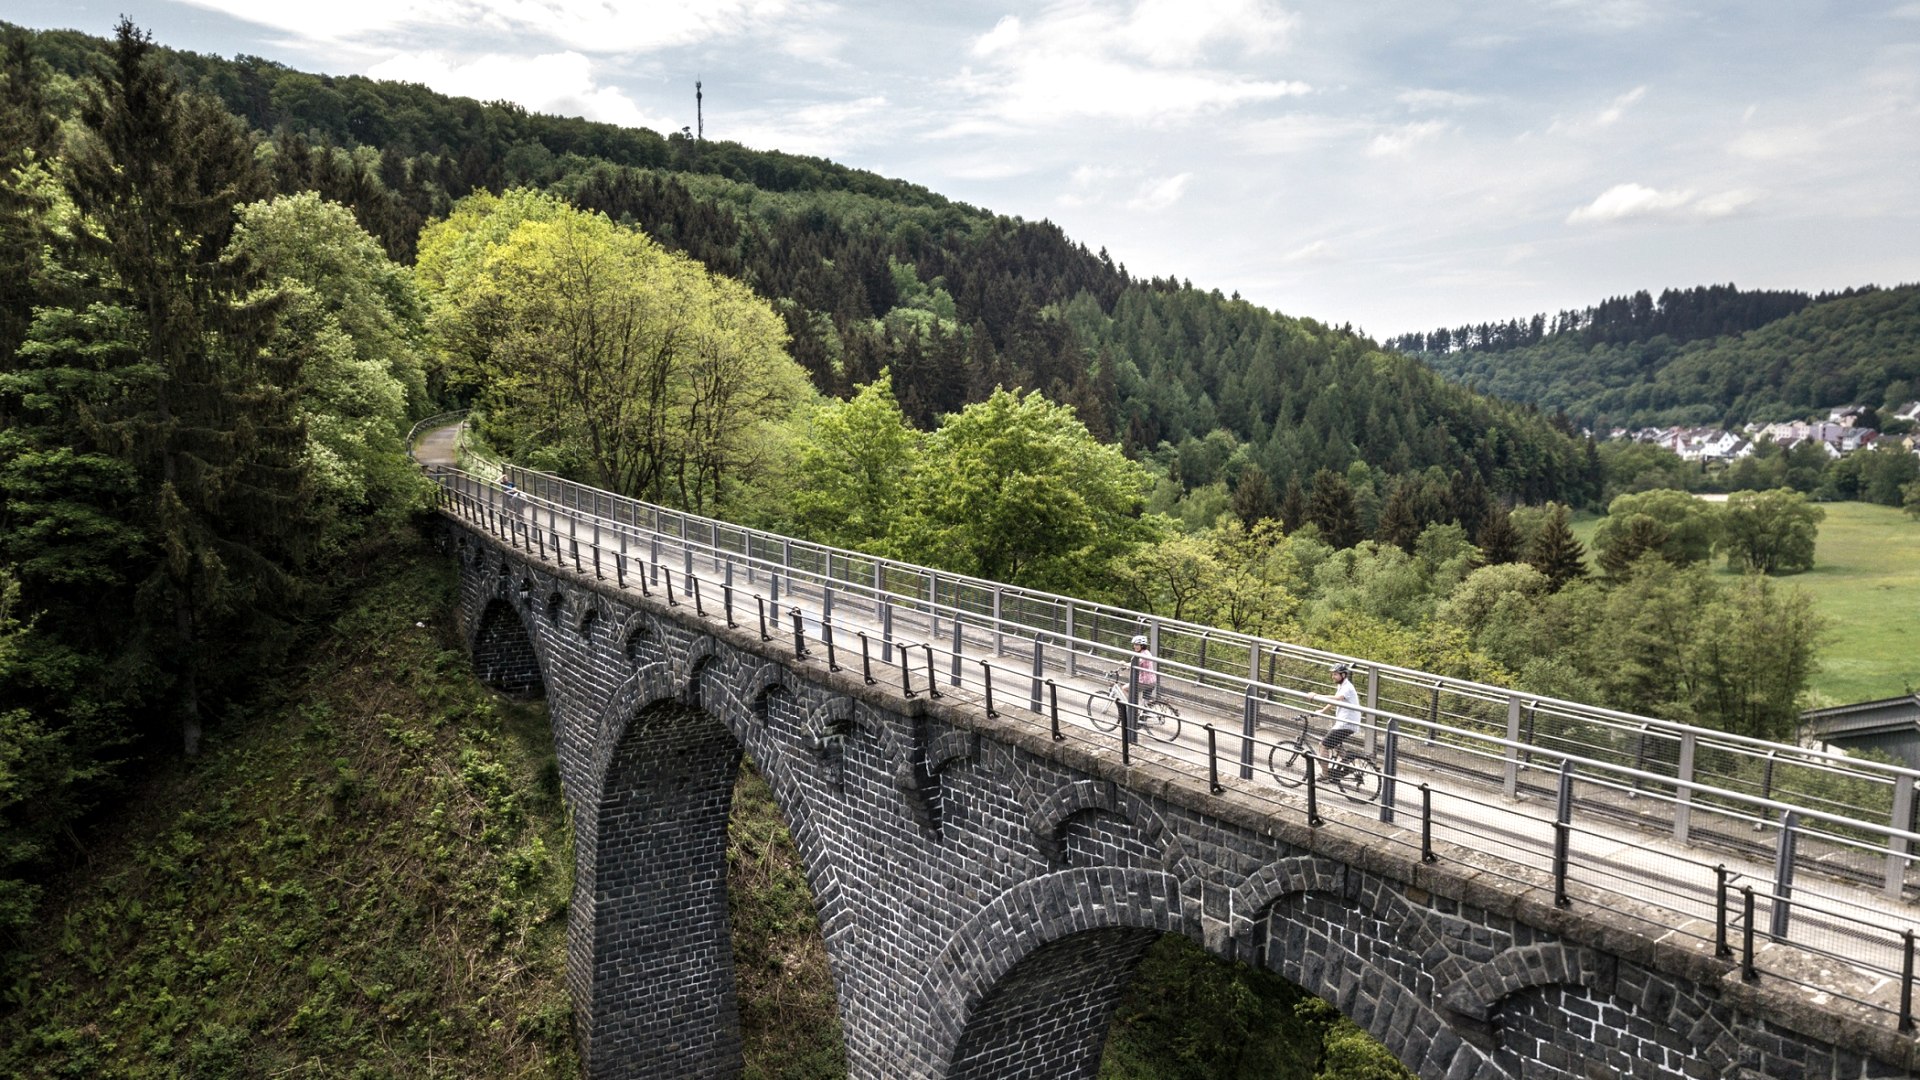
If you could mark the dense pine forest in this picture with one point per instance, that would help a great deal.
(1710, 355)
(228, 289)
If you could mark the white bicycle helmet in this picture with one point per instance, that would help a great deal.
(1139, 640)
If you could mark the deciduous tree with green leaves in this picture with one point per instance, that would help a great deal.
(855, 461)
(1772, 532)
(591, 349)
(1016, 489)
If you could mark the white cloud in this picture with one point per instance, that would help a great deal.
(1612, 113)
(592, 26)
(1317, 251)
(561, 83)
(827, 129)
(1404, 138)
(1156, 63)
(1609, 115)
(1768, 144)
(1160, 194)
(1624, 201)
(1426, 99)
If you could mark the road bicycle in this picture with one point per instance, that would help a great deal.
(1353, 771)
(1157, 716)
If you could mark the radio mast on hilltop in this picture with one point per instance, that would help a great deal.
(699, 115)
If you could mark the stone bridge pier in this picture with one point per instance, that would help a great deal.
(986, 892)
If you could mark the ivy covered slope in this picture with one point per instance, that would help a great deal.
(368, 880)
(1858, 348)
(870, 273)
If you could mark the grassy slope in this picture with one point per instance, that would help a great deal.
(1866, 581)
(369, 879)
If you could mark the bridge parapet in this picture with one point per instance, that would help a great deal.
(953, 717)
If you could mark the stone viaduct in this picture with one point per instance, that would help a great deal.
(986, 892)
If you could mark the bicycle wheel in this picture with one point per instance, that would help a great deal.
(1362, 780)
(1161, 721)
(1102, 710)
(1288, 763)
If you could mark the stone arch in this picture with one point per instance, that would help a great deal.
(1477, 991)
(1381, 987)
(587, 623)
(642, 645)
(754, 689)
(504, 654)
(555, 607)
(650, 961)
(1053, 951)
(1079, 798)
(700, 652)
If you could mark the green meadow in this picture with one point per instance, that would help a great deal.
(1866, 581)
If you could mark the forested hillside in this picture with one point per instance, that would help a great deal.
(1704, 356)
(870, 273)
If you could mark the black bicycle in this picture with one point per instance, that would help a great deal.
(1353, 771)
(1157, 716)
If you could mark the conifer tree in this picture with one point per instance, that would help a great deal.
(1333, 509)
(205, 424)
(1253, 497)
(1293, 505)
(1498, 540)
(1555, 552)
(1398, 524)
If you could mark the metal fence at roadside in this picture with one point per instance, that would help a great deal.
(1459, 761)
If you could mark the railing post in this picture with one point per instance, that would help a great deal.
(1562, 833)
(1433, 715)
(671, 602)
(653, 558)
(826, 635)
(1747, 971)
(1039, 670)
(933, 605)
(1073, 654)
(906, 674)
(764, 636)
(1373, 705)
(1683, 794)
(866, 659)
(1426, 825)
(1511, 785)
(1313, 789)
(1899, 848)
(1390, 770)
(933, 681)
(726, 594)
(1053, 709)
(1906, 981)
(1132, 709)
(697, 608)
(997, 642)
(1720, 946)
(826, 603)
(957, 643)
(1249, 716)
(1783, 875)
(799, 632)
(986, 669)
(886, 630)
(1213, 763)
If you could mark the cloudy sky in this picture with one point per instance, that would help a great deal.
(1396, 165)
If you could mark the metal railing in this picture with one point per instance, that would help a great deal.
(1484, 761)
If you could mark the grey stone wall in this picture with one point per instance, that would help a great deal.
(986, 893)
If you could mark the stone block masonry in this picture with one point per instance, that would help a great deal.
(985, 892)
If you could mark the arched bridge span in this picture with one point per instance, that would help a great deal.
(986, 888)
